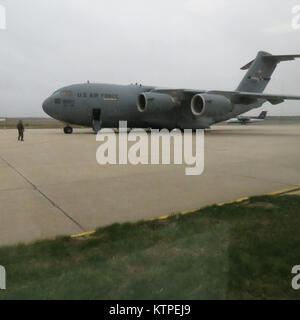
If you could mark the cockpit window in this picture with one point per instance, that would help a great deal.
(66, 93)
(56, 93)
(63, 93)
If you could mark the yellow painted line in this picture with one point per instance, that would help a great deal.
(173, 214)
(241, 200)
(163, 218)
(189, 211)
(295, 193)
(284, 191)
(89, 233)
(279, 192)
(275, 193)
(232, 202)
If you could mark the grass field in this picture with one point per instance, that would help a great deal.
(237, 251)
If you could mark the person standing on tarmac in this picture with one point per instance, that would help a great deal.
(21, 130)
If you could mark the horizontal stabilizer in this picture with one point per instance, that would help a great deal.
(276, 59)
(247, 66)
(282, 58)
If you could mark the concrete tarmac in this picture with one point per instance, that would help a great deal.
(52, 185)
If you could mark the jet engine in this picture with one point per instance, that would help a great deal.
(151, 102)
(210, 105)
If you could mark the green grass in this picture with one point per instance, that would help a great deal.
(238, 251)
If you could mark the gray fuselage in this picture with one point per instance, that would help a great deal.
(76, 104)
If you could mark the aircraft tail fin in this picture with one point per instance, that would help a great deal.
(260, 71)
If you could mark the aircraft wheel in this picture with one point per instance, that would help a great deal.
(68, 130)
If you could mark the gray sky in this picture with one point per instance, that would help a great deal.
(171, 43)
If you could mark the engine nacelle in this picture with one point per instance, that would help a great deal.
(210, 105)
(151, 102)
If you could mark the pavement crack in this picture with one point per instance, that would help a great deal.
(55, 205)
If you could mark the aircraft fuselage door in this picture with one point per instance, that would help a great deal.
(97, 123)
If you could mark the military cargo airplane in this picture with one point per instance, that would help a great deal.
(245, 120)
(104, 105)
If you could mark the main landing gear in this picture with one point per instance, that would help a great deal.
(68, 130)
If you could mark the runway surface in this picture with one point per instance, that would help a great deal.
(52, 185)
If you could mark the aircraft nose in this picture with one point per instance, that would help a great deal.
(46, 106)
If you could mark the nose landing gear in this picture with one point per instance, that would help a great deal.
(68, 130)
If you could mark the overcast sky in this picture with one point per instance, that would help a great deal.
(197, 44)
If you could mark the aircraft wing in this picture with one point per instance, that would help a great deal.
(179, 93)
(272, 98)
(232, 95)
